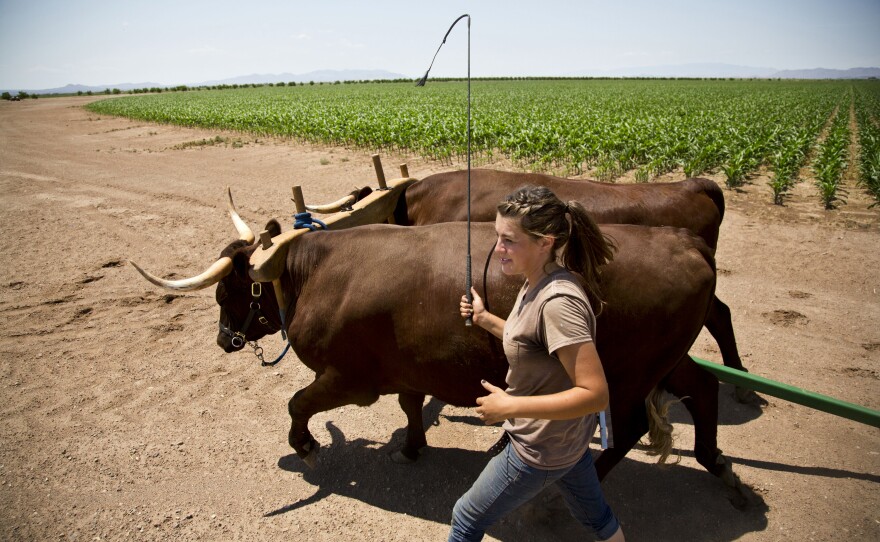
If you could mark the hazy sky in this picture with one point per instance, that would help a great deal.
(50, 43)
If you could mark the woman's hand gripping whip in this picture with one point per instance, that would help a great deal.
(469, 321)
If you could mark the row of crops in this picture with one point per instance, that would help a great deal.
(867, 111)
(832, 157)
(605, 127)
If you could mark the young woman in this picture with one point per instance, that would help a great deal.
(556, 382)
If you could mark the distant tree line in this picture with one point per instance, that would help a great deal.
(22, 95)
(184, 88)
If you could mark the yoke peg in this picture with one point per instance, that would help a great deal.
(298, 201)
(265, 239)
(380, 173)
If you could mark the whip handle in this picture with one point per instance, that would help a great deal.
(469, 321)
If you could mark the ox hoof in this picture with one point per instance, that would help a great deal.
(402, 458)
(310, 455)
(748, 397)
(730, 479)
(311, 459)
(737, 498)
(735, 490)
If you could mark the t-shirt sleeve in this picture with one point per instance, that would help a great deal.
(566, 320)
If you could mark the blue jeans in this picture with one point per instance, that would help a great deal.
(507, 482)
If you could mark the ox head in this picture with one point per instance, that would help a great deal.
(247, 310)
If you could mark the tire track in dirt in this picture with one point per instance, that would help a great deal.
(82, 305)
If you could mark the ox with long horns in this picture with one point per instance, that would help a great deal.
(367, 330)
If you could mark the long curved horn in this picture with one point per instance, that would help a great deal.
(334, 207)
(212, 275)
(343, 203)
(244, 232)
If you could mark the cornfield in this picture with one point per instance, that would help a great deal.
(606, 127)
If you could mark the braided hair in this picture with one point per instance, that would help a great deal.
(579, 244)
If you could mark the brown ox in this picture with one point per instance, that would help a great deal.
(374, 310)
(695, 204)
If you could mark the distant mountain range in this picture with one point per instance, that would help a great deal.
(707, 70)
(320, 76)
(73, 89)
(822, 73)
(730, 70)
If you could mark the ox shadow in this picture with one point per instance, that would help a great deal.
(653, 502)
(362, 469)
(730, 411)
(822, 472)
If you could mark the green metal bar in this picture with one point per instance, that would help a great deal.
(791, 393)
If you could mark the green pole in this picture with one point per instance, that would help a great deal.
(791, 393)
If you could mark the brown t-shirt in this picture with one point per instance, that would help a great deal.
(552, 314)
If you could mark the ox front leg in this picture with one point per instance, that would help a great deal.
(698, 390)
(412, 404)
(329, 390)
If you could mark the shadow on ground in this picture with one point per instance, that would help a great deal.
(653, 503)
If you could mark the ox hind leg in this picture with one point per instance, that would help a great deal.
(698, 390)
(412, 405)
(329, 390)
(720, 326)
(630, 422)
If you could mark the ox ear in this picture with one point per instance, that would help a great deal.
(273, 227)
(364, 192)
(240, 263)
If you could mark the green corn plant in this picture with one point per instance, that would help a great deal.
(870, 173)
(735, 169)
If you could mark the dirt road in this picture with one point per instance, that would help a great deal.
(121, 419)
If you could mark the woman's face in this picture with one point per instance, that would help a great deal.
(519, 252)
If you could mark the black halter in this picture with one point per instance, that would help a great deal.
(239, 337)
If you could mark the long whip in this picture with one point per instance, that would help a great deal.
(469, 321)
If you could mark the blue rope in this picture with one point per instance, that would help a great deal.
(282, 313)
(305, 220)
(286, 347)
(269, 363)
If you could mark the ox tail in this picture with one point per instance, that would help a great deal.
(660, 438)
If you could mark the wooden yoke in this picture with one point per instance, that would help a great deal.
(266, 243)
(267, 262)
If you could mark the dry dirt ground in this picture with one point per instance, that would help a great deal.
(120, 418)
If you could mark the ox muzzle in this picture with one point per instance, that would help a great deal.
(237, 339)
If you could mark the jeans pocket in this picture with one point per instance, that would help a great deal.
(513, 465)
